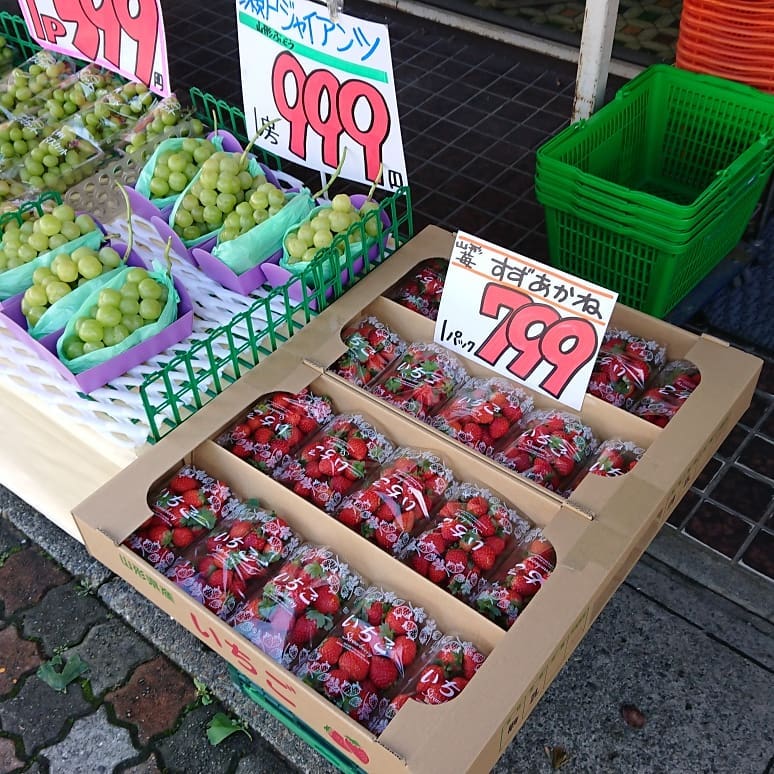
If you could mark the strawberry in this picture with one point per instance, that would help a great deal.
(182, 537)
(355, 664)
(404, 651)
(421, 291)
(183, 482)
(330, 650)
(383, 672)
(484, 557)
(303, 632)
(400, 619)
(371, 347)
(432, 674)
(358, 449)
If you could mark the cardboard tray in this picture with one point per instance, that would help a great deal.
(598, 534)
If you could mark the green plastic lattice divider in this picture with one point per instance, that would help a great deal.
(168, 400)
(290, 721)
(33, 204)
(14, 29)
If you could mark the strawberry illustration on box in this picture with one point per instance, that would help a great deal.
(423, 378)
(503, 597)
(551, 450)
(473, 529)
(345, 453)
(671, 388)
(364, 658)
(299, 605)
(625, 365)
(276, 426)
(243, 548)
(371, 347)
(482, 413)
(184, 510)
(446, 670)
(401, 501)
(613, 458)
(421, 291)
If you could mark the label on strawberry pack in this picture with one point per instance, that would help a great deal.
(242, 549)
(551, 450)
(441, 676)
(188, 507)
(421, 290)
(299, 605)
(673, 385)
(371, 348)
(625, 365)
(365, 657)
(400, 501)
(276, 426)
(423, 378)
(483, 413)
(613, 458)
(472, 531)
(343, 455)
(504, 596)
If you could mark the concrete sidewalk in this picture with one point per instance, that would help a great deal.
(697, 665)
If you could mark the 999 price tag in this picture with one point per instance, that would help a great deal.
(125, 36)
(525, 320)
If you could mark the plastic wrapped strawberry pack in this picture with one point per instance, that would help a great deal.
(371, 347)
(421, 290)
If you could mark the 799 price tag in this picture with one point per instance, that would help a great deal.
(527, 321)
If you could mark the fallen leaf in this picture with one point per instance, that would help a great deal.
(632, 716)
(59, 675)
(221, 727)
(557, 756)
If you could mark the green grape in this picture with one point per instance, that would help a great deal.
(92, 346)
(73, 349)
(36, 295)
(149, 288)
(150, 309)
(135, 275)
(109, 257)
(108, 316)
(132, 322)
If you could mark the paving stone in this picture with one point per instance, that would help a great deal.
(38, 713)
(266, 761)
(148, 766)
(100, 651)
(188, 749)
(92, 746)
(17, 657)
(154, 697)
(8, 760)
(25, 578)
(63, 617)
(11, 539)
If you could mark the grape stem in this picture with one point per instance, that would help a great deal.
(215, 122)
(130, 241)
(261, 129)
(337, 172)
(167, 259)
(378, 177)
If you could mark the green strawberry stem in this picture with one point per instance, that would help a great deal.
(330, 182)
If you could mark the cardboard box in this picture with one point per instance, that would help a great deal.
(598, 534)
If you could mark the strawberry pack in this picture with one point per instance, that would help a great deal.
(472, 531)
(503, 597)
(371, 347)
(423, 378)
(364, 658)
(625, 365)
(482, 413)
(276, 426)
(614, 457)
(344, 454)
(671, 388)
(299, 605)
(400, 501)
(421, 290)
(551, 450)
(243, 548)
(446, 670)
(188, 507)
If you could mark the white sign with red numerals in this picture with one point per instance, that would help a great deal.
(125, 37)
(330, 85)
(522, 318)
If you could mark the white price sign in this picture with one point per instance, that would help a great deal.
(330, 84)
(526, 320)
(125, 37)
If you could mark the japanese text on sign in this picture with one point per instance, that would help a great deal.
(524, 319)
(330, 83)
(122, 36)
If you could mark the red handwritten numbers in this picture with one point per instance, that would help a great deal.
(330, 108)
(112, 24)
(538, 334)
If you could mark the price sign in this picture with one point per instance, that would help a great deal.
(523, 319)
(124, 36)
(330, 84)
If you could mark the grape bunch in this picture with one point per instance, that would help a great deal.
(174, 170)
(27, 88)
(79, 90)
(6, 53)
(223, 183)
(165, 119)
(264, 201)
(317, 233)
(18, 136)
(59, 161)
(108, 115)
(12, 189)
(66, 272)
(118, 313)
(23, 243)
